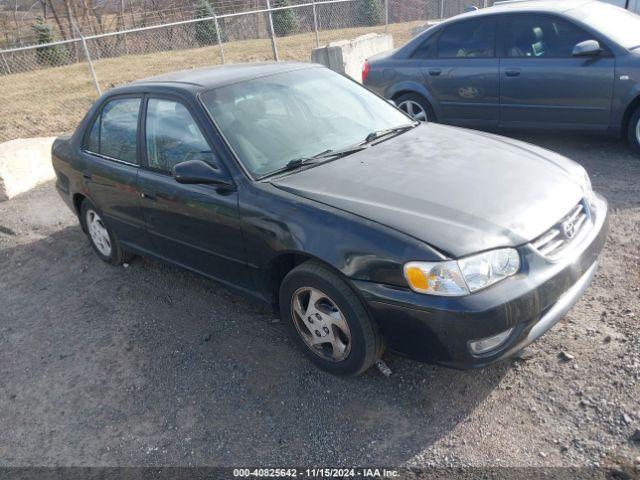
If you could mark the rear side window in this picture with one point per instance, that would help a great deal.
(114, 132)
(469, 39)
(427, 49)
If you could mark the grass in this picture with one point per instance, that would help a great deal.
(53, 100)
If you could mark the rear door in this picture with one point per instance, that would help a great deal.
(463, 75)
(111, 159)
(196, 226)
(543, 85)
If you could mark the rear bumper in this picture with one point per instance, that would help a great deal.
(439, 329)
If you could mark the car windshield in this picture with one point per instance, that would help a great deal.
(621, 26)
(276, 119)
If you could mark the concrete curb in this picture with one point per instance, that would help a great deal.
(24, 164)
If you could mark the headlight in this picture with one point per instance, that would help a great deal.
(587, 190)
(464, 276)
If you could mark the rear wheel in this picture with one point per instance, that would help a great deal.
(328, 321)
(102, 239)
(416, 106)
(634, 131)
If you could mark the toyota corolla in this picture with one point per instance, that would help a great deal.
(365, 230)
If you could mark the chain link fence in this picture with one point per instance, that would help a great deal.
(46, 89)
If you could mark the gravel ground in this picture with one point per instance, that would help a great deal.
(150, 365)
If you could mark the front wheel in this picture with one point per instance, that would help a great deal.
(416, 106)
(328, 321)
(634, 131)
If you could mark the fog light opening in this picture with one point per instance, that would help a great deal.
(485, 345)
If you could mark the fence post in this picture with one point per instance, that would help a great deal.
(6, 64)
(218, 34)
(273, 34)
(315, 23)
(441, 9)
(386, 16)
(88, 57)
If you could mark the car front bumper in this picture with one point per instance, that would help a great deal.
(439, 329)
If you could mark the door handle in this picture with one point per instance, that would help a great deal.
(434, 72)
(512, 73)
(86, 176)
(148, 196)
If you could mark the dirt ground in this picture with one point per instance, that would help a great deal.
(150, 365)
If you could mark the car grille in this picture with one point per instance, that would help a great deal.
(557, 240)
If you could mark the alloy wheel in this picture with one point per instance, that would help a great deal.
(98, 233)
(321, 324)
(414, 110)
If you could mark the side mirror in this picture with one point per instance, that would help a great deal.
(588, 48)
(196, 171)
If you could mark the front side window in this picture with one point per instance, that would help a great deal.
(469, 39)
(114, 132)
(542, 36)
(274, 119)
(172, 135)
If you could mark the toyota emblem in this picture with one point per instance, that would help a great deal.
(569, 229)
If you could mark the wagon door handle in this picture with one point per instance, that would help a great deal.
(86, 176)
(148, 196)
(434, 72)
(512, 73)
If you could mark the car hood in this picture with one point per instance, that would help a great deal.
(458, 190)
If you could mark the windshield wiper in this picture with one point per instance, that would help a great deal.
(298, 162)
(317, 158)
(381, 133)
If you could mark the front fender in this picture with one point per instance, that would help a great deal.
(278, 222)
(626, 90)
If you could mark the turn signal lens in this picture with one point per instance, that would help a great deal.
(436, 278)
(464, 276)
(417, 278)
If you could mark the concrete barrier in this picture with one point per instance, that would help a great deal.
(348, 56)
(24, 164)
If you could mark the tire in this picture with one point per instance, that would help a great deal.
(103, 241)
(633, 133)
(348, 340)
(409, 101)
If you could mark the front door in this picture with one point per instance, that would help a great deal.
(543, 85)
(196, 226)
(463, 76)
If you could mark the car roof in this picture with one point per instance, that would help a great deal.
(214, 77)
(555, 6)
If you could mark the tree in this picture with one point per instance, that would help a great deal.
(206, 33)
(52, 54)
(371, 12)
(285, 21)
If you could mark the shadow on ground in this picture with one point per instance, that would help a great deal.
(152, 365)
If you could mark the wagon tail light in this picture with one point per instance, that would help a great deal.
(366, 68)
